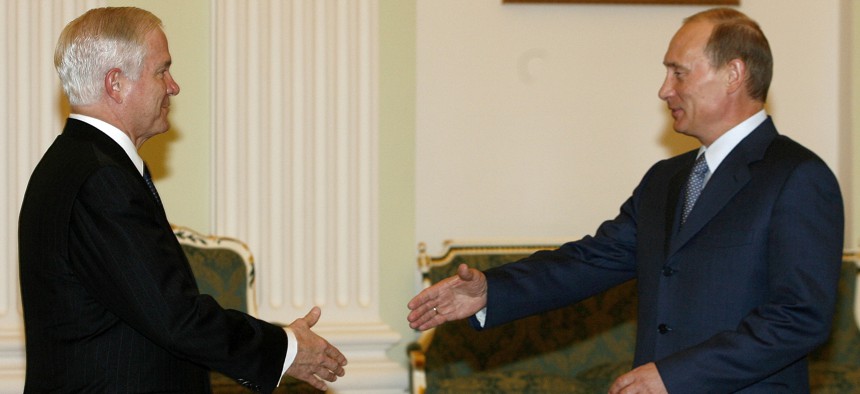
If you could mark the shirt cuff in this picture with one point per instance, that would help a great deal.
(292, 350)
(481, 315)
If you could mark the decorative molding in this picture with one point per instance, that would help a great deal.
(679, 2)
(295, 167)
(295, 149)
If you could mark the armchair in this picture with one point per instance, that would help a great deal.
(224, 268)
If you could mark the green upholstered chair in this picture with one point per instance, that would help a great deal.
(835, 367)
(581, 348)
(224, 269)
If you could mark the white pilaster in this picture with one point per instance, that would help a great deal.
(295, 167)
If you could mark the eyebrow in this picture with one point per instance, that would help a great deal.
(675, 66)
(164, 66)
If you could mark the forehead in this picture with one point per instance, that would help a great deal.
(156, 47)
(689, 42)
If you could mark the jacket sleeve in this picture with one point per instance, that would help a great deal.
(123, 251)
(549, 280)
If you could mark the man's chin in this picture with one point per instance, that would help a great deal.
(683, 131)
(680, 127)
(159, 131)
(165, 126)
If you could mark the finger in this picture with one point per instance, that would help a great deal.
(335, 371)
(620, 383)
(465, 273)
(416, 309)
(313, 380)
(422, 325)
(416, 301)
(328, 369)
(417, 319)
(326, 374)
(422, 298)
(420, 310)
(423, 318)
(336, 355)
(317, 382)
(432, 319)
(313, 316)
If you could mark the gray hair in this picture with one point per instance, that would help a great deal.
(98, 41)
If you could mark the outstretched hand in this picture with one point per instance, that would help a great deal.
(317, 360)
(643, 380)
(453, 298)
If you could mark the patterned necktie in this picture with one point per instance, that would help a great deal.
(694, 185)
(148, 179)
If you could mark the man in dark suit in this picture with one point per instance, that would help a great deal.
(110, 302)
(736, 281)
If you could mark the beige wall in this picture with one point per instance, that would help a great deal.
(397, 247)
(538, 120)
(853, 116)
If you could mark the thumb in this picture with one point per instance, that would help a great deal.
(465, 273)
(313, 316)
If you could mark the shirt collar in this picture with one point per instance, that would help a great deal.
(724, 145)
(115, 134)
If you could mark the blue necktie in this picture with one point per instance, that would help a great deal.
(695, 184)
(148, 179)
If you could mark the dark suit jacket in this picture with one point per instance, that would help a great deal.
(733, 300)
(110, 302)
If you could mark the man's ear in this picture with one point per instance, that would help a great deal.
(736, 75)
(113, 84)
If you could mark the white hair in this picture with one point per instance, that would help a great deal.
(98, 41)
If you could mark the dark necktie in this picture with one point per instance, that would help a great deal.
(695, 184)
(148, 179)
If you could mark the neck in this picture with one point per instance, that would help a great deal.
(734, 116)
(104, 114)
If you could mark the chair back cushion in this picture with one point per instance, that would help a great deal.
(223, 268)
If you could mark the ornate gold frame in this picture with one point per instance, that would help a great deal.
(686, 2)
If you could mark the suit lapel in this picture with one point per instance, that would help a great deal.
(729, 178)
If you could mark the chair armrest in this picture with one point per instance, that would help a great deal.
(857, 295)
(417, 361)
(417, 374)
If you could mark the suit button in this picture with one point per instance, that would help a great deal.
(668, 271)
(663, 329)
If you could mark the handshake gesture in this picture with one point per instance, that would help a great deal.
(453, 298)
(317, 360)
